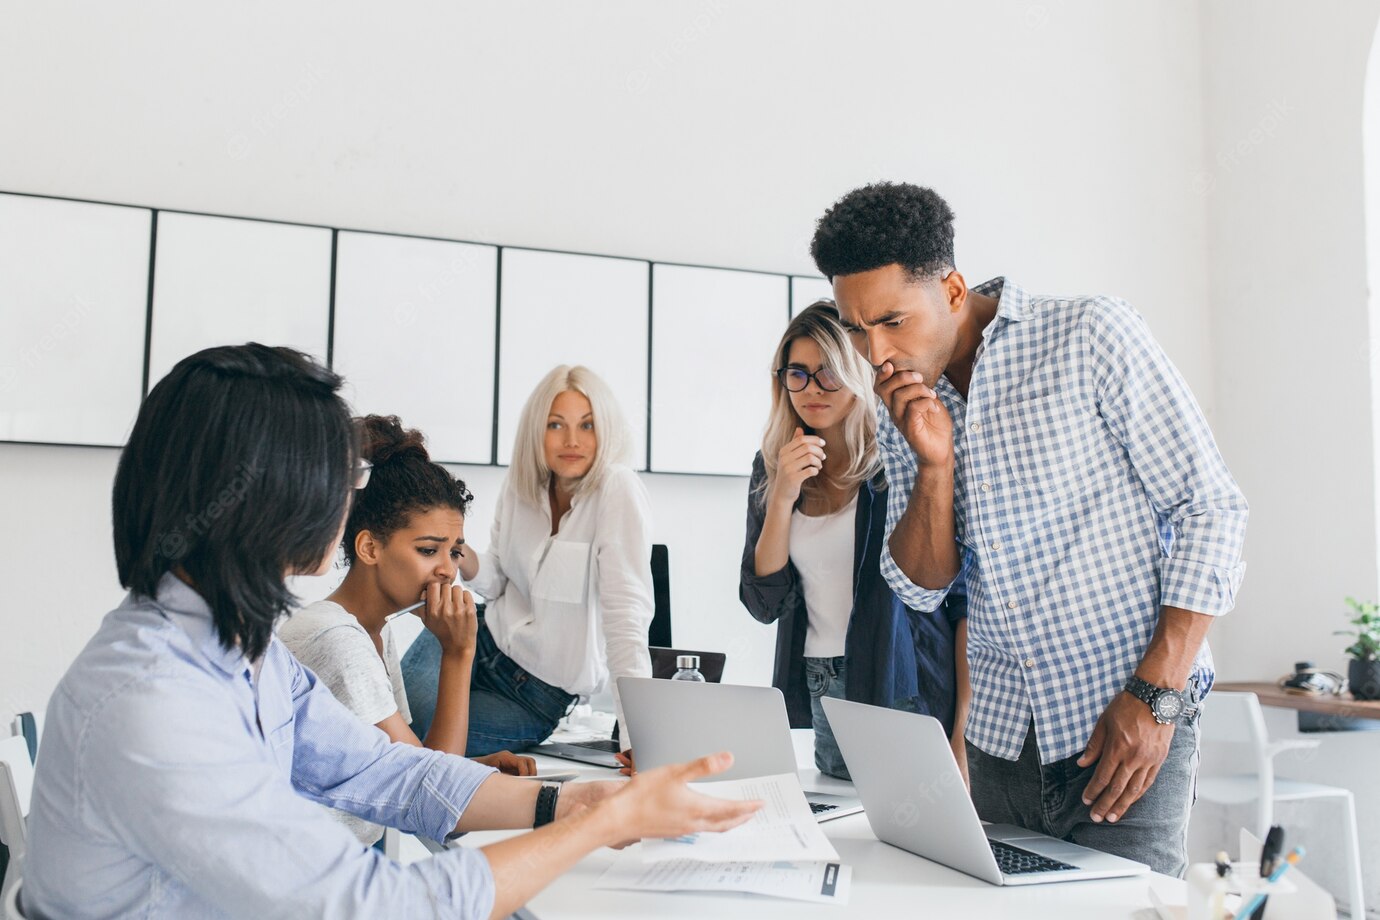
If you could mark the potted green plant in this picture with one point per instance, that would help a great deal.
(1363, 672)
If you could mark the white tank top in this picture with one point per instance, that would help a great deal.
(822, 550)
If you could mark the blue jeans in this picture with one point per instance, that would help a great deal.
(510, 710)
(825, 677)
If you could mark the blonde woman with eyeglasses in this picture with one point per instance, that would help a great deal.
(812, 558)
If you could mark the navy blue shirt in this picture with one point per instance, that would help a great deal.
(892, 653)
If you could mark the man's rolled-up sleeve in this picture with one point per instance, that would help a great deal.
(1150, 409)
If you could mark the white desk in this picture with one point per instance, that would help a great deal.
(887, 882)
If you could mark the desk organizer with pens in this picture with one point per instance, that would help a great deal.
(1292, 897)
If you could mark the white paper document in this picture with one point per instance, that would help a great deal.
(785, 830)
(824, 882)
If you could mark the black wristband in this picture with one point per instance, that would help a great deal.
(546, 805)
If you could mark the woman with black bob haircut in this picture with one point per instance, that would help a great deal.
(186, 750)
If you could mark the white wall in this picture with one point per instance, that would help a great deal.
(1066, 134)
(1284, 184)
(1283, 181)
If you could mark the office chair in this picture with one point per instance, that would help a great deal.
(1235, 718)
(660, 631)
(9, 904)
(664, 662)
(16, 791)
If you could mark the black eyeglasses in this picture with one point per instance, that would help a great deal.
(796, 379)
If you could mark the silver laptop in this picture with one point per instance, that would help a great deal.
(600, 751)
(677, 720)
(915, 799)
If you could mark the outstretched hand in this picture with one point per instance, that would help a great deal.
(660, 803)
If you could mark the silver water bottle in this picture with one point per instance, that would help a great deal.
(688, 668)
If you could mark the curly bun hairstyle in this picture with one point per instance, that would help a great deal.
(886, 223)
(404, 481)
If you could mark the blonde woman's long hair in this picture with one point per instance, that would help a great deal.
(819, 322)
(528, 472)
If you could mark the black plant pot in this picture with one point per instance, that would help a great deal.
(1364, 677)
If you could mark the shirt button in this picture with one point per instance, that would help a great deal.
(1011, 605)
(987, 487)
(1030, 662)
(996, 544)
(975, 427)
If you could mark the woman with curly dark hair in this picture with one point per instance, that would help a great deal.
(403, 541)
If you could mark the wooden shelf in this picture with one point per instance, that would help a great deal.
(1272, 695)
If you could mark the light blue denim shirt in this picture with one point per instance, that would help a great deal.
(172, 783)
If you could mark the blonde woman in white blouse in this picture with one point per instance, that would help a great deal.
(567, 574)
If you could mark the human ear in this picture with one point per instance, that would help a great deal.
(367, 548)
(955, 290)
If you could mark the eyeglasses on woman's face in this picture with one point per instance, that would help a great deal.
(796, 379)
(362, 470)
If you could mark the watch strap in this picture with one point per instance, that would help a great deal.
(546, 804)
(1142, 690)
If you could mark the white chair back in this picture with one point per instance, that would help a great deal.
(1234, 718)
(9, 904)
(30, 725)
(16, 792)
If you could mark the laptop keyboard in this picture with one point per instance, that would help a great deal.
(607, 745)
(820, 808)
(1015, 861)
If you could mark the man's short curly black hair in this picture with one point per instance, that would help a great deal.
(886, 223)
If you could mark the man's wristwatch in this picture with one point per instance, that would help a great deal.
(1169, 706)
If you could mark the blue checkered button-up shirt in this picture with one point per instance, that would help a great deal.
(1088, 494)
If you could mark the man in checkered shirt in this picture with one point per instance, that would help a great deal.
(1046, 459)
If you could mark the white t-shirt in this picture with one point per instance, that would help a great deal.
(822, 550)
(573, 609)
(329, 641)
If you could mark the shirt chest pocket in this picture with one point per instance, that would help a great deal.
(562, 574)
(1048, 444)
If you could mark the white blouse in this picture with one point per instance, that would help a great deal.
(573, 609)
(822, 549)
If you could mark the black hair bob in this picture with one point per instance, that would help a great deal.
(239, 472)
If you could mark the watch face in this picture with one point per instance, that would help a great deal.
(1167, 706)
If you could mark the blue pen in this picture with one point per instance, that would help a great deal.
(1294, 856)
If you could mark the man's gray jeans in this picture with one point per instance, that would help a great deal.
(1049, 799)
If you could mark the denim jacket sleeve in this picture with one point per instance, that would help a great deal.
(767, 597)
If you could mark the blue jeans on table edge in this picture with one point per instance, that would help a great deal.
(825, 677)
(828, 677)
(510, 709)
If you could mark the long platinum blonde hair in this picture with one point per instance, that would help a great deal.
(819, 322)
(529, 473)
